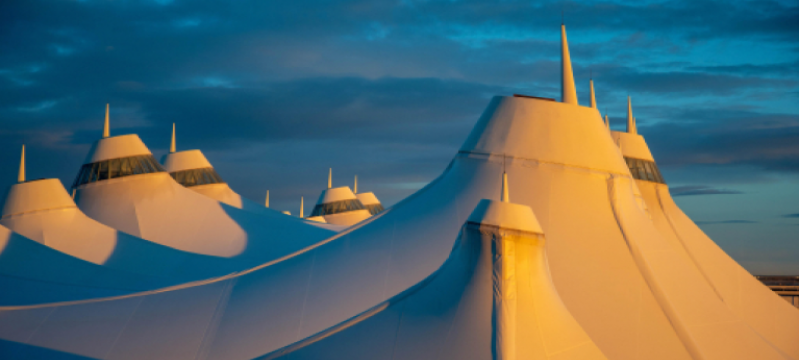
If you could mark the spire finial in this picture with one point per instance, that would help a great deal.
(267, 199)
(302, 204)
(172, 145)
(607, 122)
(631, 128)
(505, 195)
(21, 177)
(106, 130)
(593, 97)
(355, 189)
(568, 91)
(330, 179)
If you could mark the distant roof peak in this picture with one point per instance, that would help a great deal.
(106, 126)
(172, 146)
(21, 176)
(631, 127)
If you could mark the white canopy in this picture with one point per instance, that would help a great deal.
(340, 206)
(755, 304)
(630, 290)
(32, 273)
(194, 159)
(43, 211)
(154, 207)
(492, 299)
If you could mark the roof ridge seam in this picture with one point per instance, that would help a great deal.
(38, 211)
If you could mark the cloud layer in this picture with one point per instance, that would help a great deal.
(277, 92)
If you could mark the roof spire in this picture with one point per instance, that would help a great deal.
(593, 98)
(607, 122)
(355, 189)
(330, 179)
(505, 196)
(106, 130)
(631, 128)
(172, 146)
(568, 92)
(302, 203)
(21, 177)
(267, 199)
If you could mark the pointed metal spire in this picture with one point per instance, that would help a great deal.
(631, 128)
(593, 98)
(607, 122)
(302, 203)
(267, 199)
(21, 177)
(505, 195)
(330, 179)
(106, 130)
(355, 188)
(172, 145)
(568, 91)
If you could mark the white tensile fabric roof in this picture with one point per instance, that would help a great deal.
(194, 159)
(154, 207)
(492, 299)
(32, 273)
(628, 287)
(367, 198)
(185, 160)
(347, 218)
(447, 273)
(43, 211)
(743, 294)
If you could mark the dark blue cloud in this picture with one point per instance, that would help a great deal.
(700, 190)
(276, 92)
(726, 222)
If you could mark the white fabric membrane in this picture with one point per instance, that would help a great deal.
(632, 291)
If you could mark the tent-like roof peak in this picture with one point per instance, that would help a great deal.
(336, 194)
(505, 215)
(185, 160)
(39, 195)
(116, 147)
(367, 198)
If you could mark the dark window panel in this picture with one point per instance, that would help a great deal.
(194, 177)
(113, 168)
(644, 170)
(124, 167)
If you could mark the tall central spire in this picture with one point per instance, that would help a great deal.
(355, 188)
(330, 179)
(21, 177)
(267, 198)
(302, 205)
(593, 97)
(568, 91)
(106, 130)
(172, 145)
(631, 128)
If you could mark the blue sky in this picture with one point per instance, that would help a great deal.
(276, 92)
